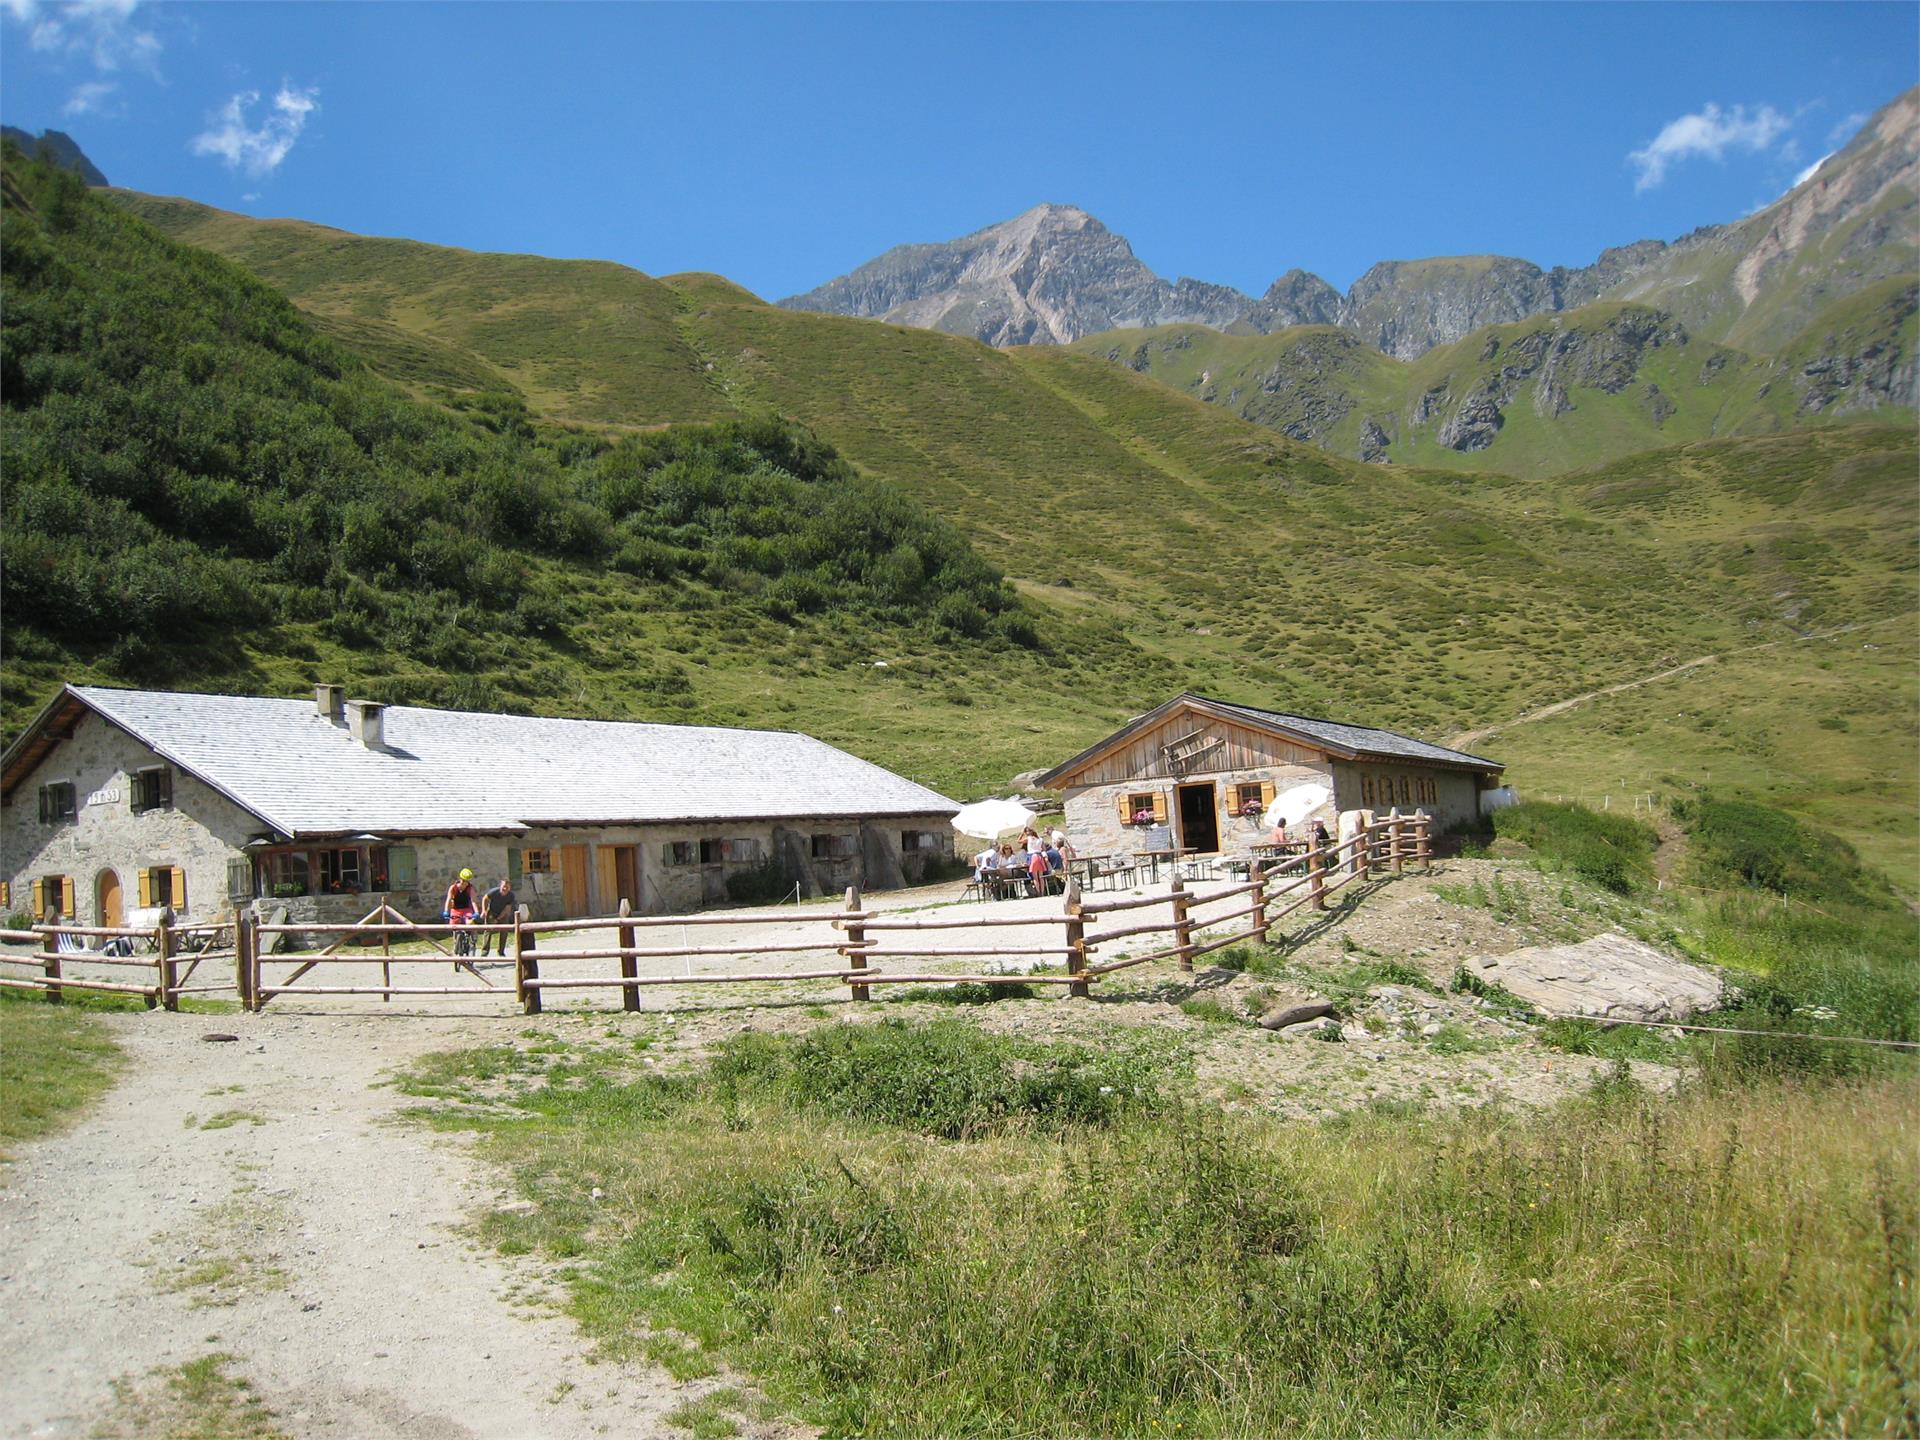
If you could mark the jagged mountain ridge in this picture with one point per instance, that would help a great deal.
(1056, 274)
(1545, 394)
(59, 147)
(1045, 277)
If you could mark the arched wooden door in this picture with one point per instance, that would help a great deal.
(107, 890)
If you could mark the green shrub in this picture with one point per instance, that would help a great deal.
(761, 884)
(948, 1079)
(1610, 851)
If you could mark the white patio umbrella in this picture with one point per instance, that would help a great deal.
(990, 819)
(1295, 804)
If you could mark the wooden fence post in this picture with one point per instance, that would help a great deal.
(50, 947)
(1182, 926)
(526, 964)
(163, 962)
(857, 935)
(386, 912)
(629, 965)
(1076, 941)
(1316, 875)
(1396, 840)
(1423, 840)
(1257, 873)
(242, 963)
(1362, 845)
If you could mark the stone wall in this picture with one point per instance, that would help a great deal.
(199, 833)
(1456, 793)
(1093, 811)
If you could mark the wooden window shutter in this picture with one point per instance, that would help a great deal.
(1266, 794)
(513, 864)
(146, 888)
(1126, 810)
(39, 899)
(178, 889)
(6, 894)
(609, 879)
(1160, 807)
(66, 896)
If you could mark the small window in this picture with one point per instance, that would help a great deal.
(159, 885)
(743, 852)
(53, 897)
(1142, 808)
(832, 847)
(678, 852)
(1246, 798)
(340, 872)
(712, 852)
(1406, 790)
(56, 802)
(153, 789)
(286, 873)
(537, 862)
(377, 869)
(1366, 791)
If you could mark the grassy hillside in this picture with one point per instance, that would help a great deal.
(1156, 541)
(1573, 389)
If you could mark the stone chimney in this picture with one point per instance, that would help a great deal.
(363, 718)
(327, 700)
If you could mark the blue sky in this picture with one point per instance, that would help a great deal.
(782, 145)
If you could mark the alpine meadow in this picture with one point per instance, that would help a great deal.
(1628, 552)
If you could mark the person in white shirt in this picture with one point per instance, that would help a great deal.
(986, 865)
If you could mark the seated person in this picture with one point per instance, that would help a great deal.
(1279, 835)
(986, 865)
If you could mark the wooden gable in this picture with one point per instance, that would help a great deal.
(1185, 742)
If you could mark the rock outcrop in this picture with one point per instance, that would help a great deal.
(1610, 977)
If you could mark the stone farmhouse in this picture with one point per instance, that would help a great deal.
(1206, 771)
(116, 802)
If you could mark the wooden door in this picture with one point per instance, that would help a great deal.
(107, 888)
(573, 879)
(626, 875)
(1199, 819)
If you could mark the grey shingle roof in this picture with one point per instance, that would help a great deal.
(1362, 741)
(1363, 738)
(448, 770)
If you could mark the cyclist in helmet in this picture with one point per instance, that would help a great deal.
(459, 908)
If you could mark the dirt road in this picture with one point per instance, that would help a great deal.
(300, 1232)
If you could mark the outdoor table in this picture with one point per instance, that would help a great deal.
(1279, 852)
(1172, 856)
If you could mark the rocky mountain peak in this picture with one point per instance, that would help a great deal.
(59, 147)
(1046, 277)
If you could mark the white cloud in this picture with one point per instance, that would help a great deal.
(1808, 173)
(1844, 130)
(1710, 132)
(89, 98)
(102, 31)
(258, 149)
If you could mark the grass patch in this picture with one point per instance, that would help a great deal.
(1209, 1011)
(711, 1417)
(1730, 1261)
(55, 1060)
(968, 992)
(199, 1400)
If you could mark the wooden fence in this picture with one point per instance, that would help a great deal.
(168, 954)
(863, 941)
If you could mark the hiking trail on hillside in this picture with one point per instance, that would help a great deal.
(1560, 707)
